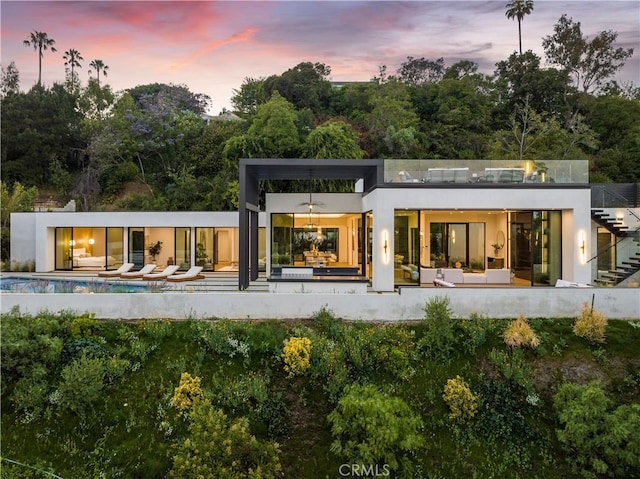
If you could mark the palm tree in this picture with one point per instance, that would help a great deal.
(40, 41)
(99, 66)
(518, 9)
(72, 58)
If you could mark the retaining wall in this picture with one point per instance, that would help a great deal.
(408, 304)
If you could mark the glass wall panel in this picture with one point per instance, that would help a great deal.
(547, 247)
(606, 250)
(476, 258)
(204, 248)
(406, 239)
(115, 246)
(64, 246)
(262, 249)
(136, 247)
(369, 244)
(183, 247)
(281, 239)
(457, 245)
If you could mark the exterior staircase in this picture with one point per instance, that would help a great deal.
(623, 269)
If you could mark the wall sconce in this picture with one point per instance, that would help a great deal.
(72, 242)
(91, 241)
(582, 244)
(385, 247)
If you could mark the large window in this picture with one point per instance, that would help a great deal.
(536, 246)
(457, 245)
(205, 248)
(281, 239)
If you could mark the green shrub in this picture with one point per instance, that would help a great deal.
(370, 427)
(30, 395)
(325, 322)
(28, 341)
(439, 339)
(501, 414)
(83, 326)
(222, 448)
(598, 442)
(81, 385)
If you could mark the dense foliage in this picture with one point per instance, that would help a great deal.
(149, 148)
(211, 398)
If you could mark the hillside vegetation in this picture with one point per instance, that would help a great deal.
(442, 397)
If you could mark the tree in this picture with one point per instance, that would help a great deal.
(419, 71)
(273, 132)
(72, 60)
(333, 139)
(10, 80)
(15, 199)
(41, 42)
(305, 86)
(521, 78)
(518, 9)
(98, 66)
(36, 127)
(250, 95)
(590, 62)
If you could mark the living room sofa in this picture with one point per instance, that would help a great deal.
(458, 276)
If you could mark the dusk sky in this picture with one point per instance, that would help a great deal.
(212, 46)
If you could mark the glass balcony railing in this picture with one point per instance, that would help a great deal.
(485, 171)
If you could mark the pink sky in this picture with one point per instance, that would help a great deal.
(212, 46)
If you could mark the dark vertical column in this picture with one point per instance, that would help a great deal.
(243, 237)
(253, 242)
(365, 245)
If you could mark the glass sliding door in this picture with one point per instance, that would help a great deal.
(115, 246)
(136, 247)
(64, 248)
(457, 245)
(546, 247)
(205, 248)
(536, 246)
(406, 254)
(281, 240)
(183, 247)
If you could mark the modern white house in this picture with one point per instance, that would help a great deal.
(406, 223)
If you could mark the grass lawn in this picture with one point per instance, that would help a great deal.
(83, 398)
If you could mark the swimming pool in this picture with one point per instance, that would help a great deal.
(16, 284)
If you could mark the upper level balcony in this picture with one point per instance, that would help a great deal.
(494, 172)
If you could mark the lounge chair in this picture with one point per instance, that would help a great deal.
(146, 269)
(193, 273)
(116, 272)
(168, 271)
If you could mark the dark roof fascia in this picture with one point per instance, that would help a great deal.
(480, 186)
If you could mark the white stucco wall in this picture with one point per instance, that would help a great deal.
(615, 303)
(33, 234)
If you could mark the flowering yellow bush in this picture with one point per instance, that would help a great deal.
(296, 355)
(461, 401)
(519, 334)
(591, 325)
(187, 393)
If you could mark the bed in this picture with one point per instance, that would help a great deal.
(82, 259)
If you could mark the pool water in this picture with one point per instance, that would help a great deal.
(39, 285)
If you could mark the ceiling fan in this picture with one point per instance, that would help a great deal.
(311, 204)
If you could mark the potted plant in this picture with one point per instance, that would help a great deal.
(201, 255)
(496, 249)
(154, 249)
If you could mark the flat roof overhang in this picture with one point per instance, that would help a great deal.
(252, 170)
